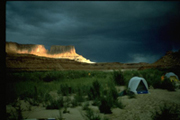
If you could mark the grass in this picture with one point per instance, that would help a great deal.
(55, 104)
(17, 113)
(118, 78)
(92, 115)
(85, 106)
(98, 86)
(167, 112)
(23, 85)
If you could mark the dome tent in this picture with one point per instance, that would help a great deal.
(138, 85)
(172, 76)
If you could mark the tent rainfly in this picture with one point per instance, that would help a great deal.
(138, 85)
(172, 76)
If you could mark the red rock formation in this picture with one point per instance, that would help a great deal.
(169, 60)
(56, 51)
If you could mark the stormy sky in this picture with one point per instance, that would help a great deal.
(102, 31)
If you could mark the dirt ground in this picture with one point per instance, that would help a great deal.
(139, 108)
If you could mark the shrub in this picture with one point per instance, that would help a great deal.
(84, 89)
(55, 104)
(167, 113)
(119, 104)
(74, 102)
(65, 108)
(17, 114)
(65, 90)
(96, 102)
(105, 106)
(167, 84)
(91, 115)
(85, 106)
(60, 116)
(79, 98)
(118, 78)
(94, 91)
(47, 97)
(67, 100)
(32, 102)
(130, 94)
(109, 100)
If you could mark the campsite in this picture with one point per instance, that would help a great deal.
(91, 60)
(92, 95)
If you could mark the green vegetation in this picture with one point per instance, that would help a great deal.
(55, 104)
(82, 86)
(17, 113)
(91, 115)
(118, 78)
(167, 112)
(168, 84)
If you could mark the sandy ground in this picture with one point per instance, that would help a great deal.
(138, 108)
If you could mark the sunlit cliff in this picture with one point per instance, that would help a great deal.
(56, 51)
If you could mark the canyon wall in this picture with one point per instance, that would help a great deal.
(56, 51)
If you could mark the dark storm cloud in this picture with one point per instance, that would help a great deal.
(118, 31)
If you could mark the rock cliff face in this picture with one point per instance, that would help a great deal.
(12, 47)
(169, 60)
(56, 51)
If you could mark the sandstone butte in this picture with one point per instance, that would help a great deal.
(56, 51)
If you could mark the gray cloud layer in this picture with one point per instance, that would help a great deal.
(104, 31)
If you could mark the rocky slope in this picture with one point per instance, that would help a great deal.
(37, 58)
(67, 52)
(171, 60)
(29, 62)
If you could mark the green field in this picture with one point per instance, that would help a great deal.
(28, 84)
(97, 86)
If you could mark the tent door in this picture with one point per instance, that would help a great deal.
(141, 88)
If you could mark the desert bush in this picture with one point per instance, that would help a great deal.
(85, 106)
(105, 105)
(130, 94)
(92, 115)
(67, 100)
(46, 97)
(168, 84)
(83, 89)
(79, 98)
(127, 76)
(118, 77)
(55, 104)
(74, 102)
(96, 102)
(135, 73)
(94, 90)
(65, 108)
(166, 112)
(119, 104)
(65, 90)
(109, 100)
(17, 113)
(60, 116)
(164, 84)
(32, 102)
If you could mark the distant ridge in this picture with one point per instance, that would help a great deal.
(56, 51)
